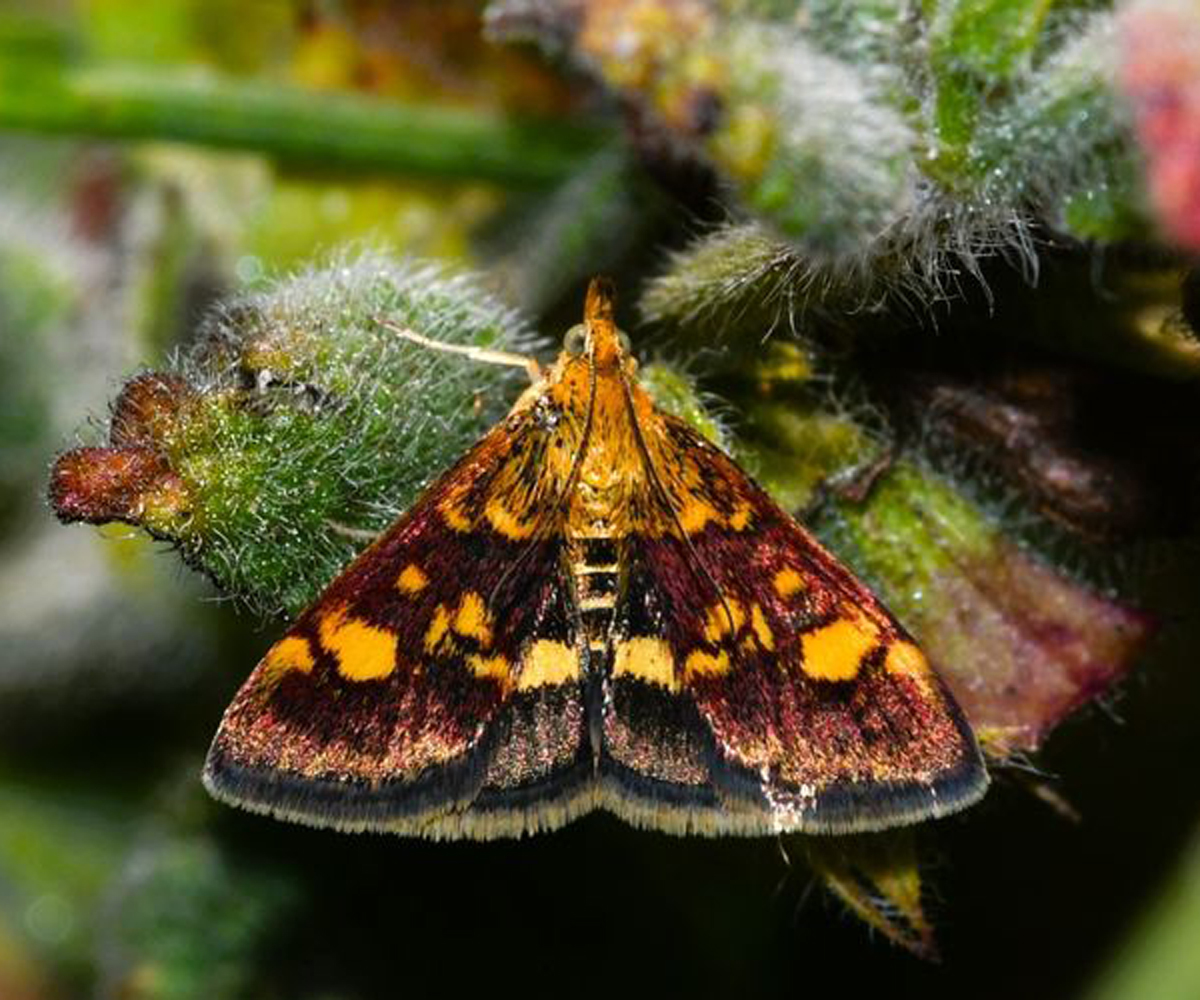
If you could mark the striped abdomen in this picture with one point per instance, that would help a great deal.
(594, 564)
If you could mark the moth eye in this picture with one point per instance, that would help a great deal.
(576, 339)
(623, 340)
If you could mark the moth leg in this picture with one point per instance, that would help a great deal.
(474, 353)
(1043, 789)
(853, 485)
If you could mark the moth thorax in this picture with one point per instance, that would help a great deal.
(595, 506)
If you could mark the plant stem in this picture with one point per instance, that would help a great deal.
(290, 124)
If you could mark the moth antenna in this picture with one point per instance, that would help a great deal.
(349, 531)
(484, 354)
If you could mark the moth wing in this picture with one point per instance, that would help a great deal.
(757, 686)
(435, 687)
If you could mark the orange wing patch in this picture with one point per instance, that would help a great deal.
(548, 663)
(702, 664)
(905, 659)
(725, 618)
(289, 653)
(473, 620)
(647, 659)
(788, 582)
(836, 652)
(412, 580)
(762, 631)
(507, 523)
(497, 668)
(362, 652)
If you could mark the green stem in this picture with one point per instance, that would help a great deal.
(314, 128)
(1160, 958)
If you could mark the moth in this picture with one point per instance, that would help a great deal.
(595, 608)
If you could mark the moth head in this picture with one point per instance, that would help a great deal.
(597, 337)
(575, 342)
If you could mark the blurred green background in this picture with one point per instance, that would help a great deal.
(157, 158)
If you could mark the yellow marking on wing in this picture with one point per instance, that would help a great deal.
(700, 662)
(906, 659)
(289, 653)
(695, 515)
(647, 659)
(717, 619)
(473, 619)
(762, 630)
(835, 652)
(363, 652)
(739, 520)
(437, 628)
(412, 580)
(506, 522)
(788, 582)
(548, 662)
(496, 667)
(454, 517)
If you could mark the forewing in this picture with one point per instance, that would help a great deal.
(435, 687)
(757, 685)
